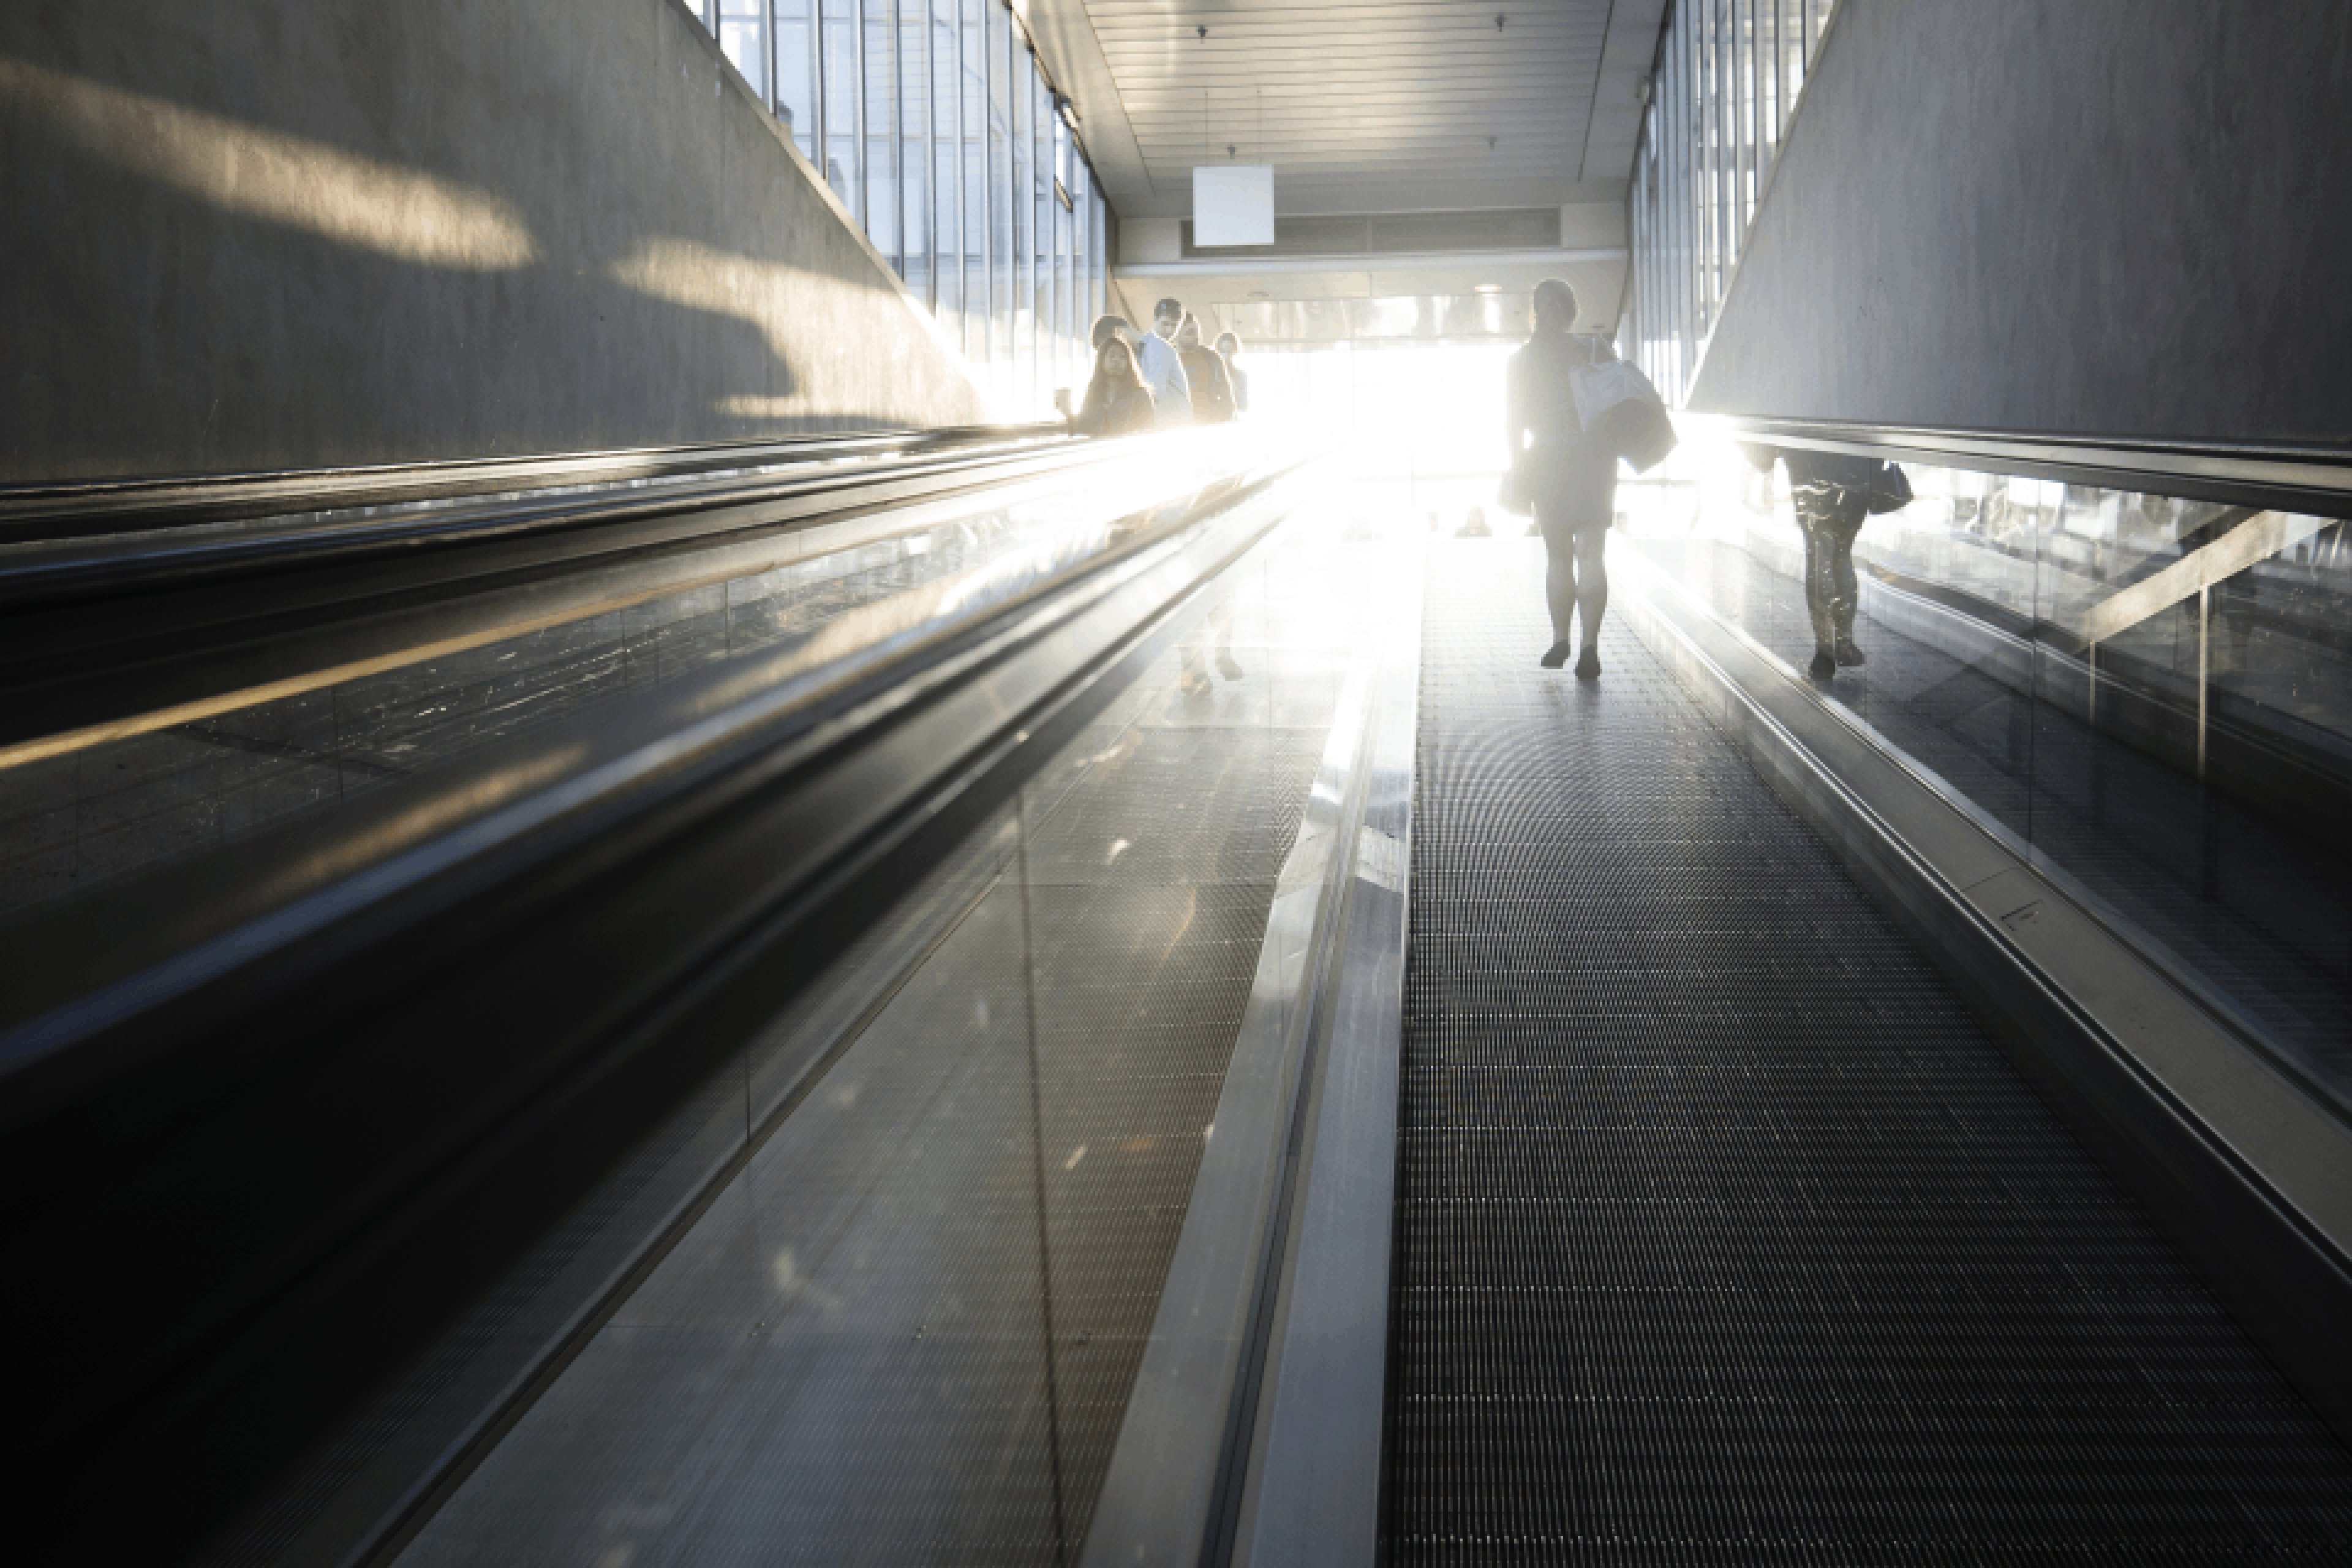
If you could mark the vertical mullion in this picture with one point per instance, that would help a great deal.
(896, 109)
(931, 141)
(1695, 223)
(1707, 102)
(768, 51)
(1726, 157)
(817, 91)
(961, 10)
(990, 177)
(1752, 85)
(1726, 93)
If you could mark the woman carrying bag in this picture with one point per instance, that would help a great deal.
(1567, 479)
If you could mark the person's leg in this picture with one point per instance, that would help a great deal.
(1560, 585)
(1221, 621)
(1591, 544)
(1821, 590)
(1849, 589)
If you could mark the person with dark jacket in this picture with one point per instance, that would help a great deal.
(1205, 374)
(1117, 402)
(1832, 496)
(1228, 348)
(1571, 482)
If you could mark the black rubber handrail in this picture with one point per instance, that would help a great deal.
(233, 1197)
(2313, 480)
(95, 508)
(97, 634)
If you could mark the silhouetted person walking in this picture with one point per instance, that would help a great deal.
(1570, 481)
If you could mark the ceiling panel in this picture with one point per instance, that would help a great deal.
(1359, 105)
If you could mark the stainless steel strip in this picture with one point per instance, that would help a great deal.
(1171, 1478)
(1314, 1486)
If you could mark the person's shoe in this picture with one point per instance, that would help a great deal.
(1824, 665)
(1556, 656)
(1195, 683)
(1588, 665)
(1229, 666)
(1848, 655)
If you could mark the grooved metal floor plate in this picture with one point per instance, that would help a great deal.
(1724, 1231)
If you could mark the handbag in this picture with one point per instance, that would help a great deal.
(1512, 494)
(1616, 404)
(1889, 490)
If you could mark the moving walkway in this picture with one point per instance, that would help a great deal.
(941, 1074)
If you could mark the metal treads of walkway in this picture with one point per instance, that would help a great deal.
(1724, 1233)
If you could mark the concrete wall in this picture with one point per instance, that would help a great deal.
(2121, 217)
(250, 234)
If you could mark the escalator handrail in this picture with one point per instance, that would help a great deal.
(478, 997)
(99, 643)
(2288, 478)
(94, 508)
(40, 574)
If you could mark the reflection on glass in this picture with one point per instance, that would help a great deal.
(75, 821)
(2153, 694)
(906, 1329)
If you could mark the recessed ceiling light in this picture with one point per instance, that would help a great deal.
(1486, 289)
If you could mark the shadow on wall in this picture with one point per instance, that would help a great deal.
(439, 257)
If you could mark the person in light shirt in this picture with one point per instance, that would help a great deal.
(1163, 366)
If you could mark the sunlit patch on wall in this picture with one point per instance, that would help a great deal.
(274, 177)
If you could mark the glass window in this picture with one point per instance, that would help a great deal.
(796, 78)
(972, 182)
(945, 64)
(1000, 197)
(1751, 112)
(914, 101)
(843, 146)
(1020, 363)
(1041, 229)
(742, 35)
(877, 30)
(1069, 267)
(1793, 54)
